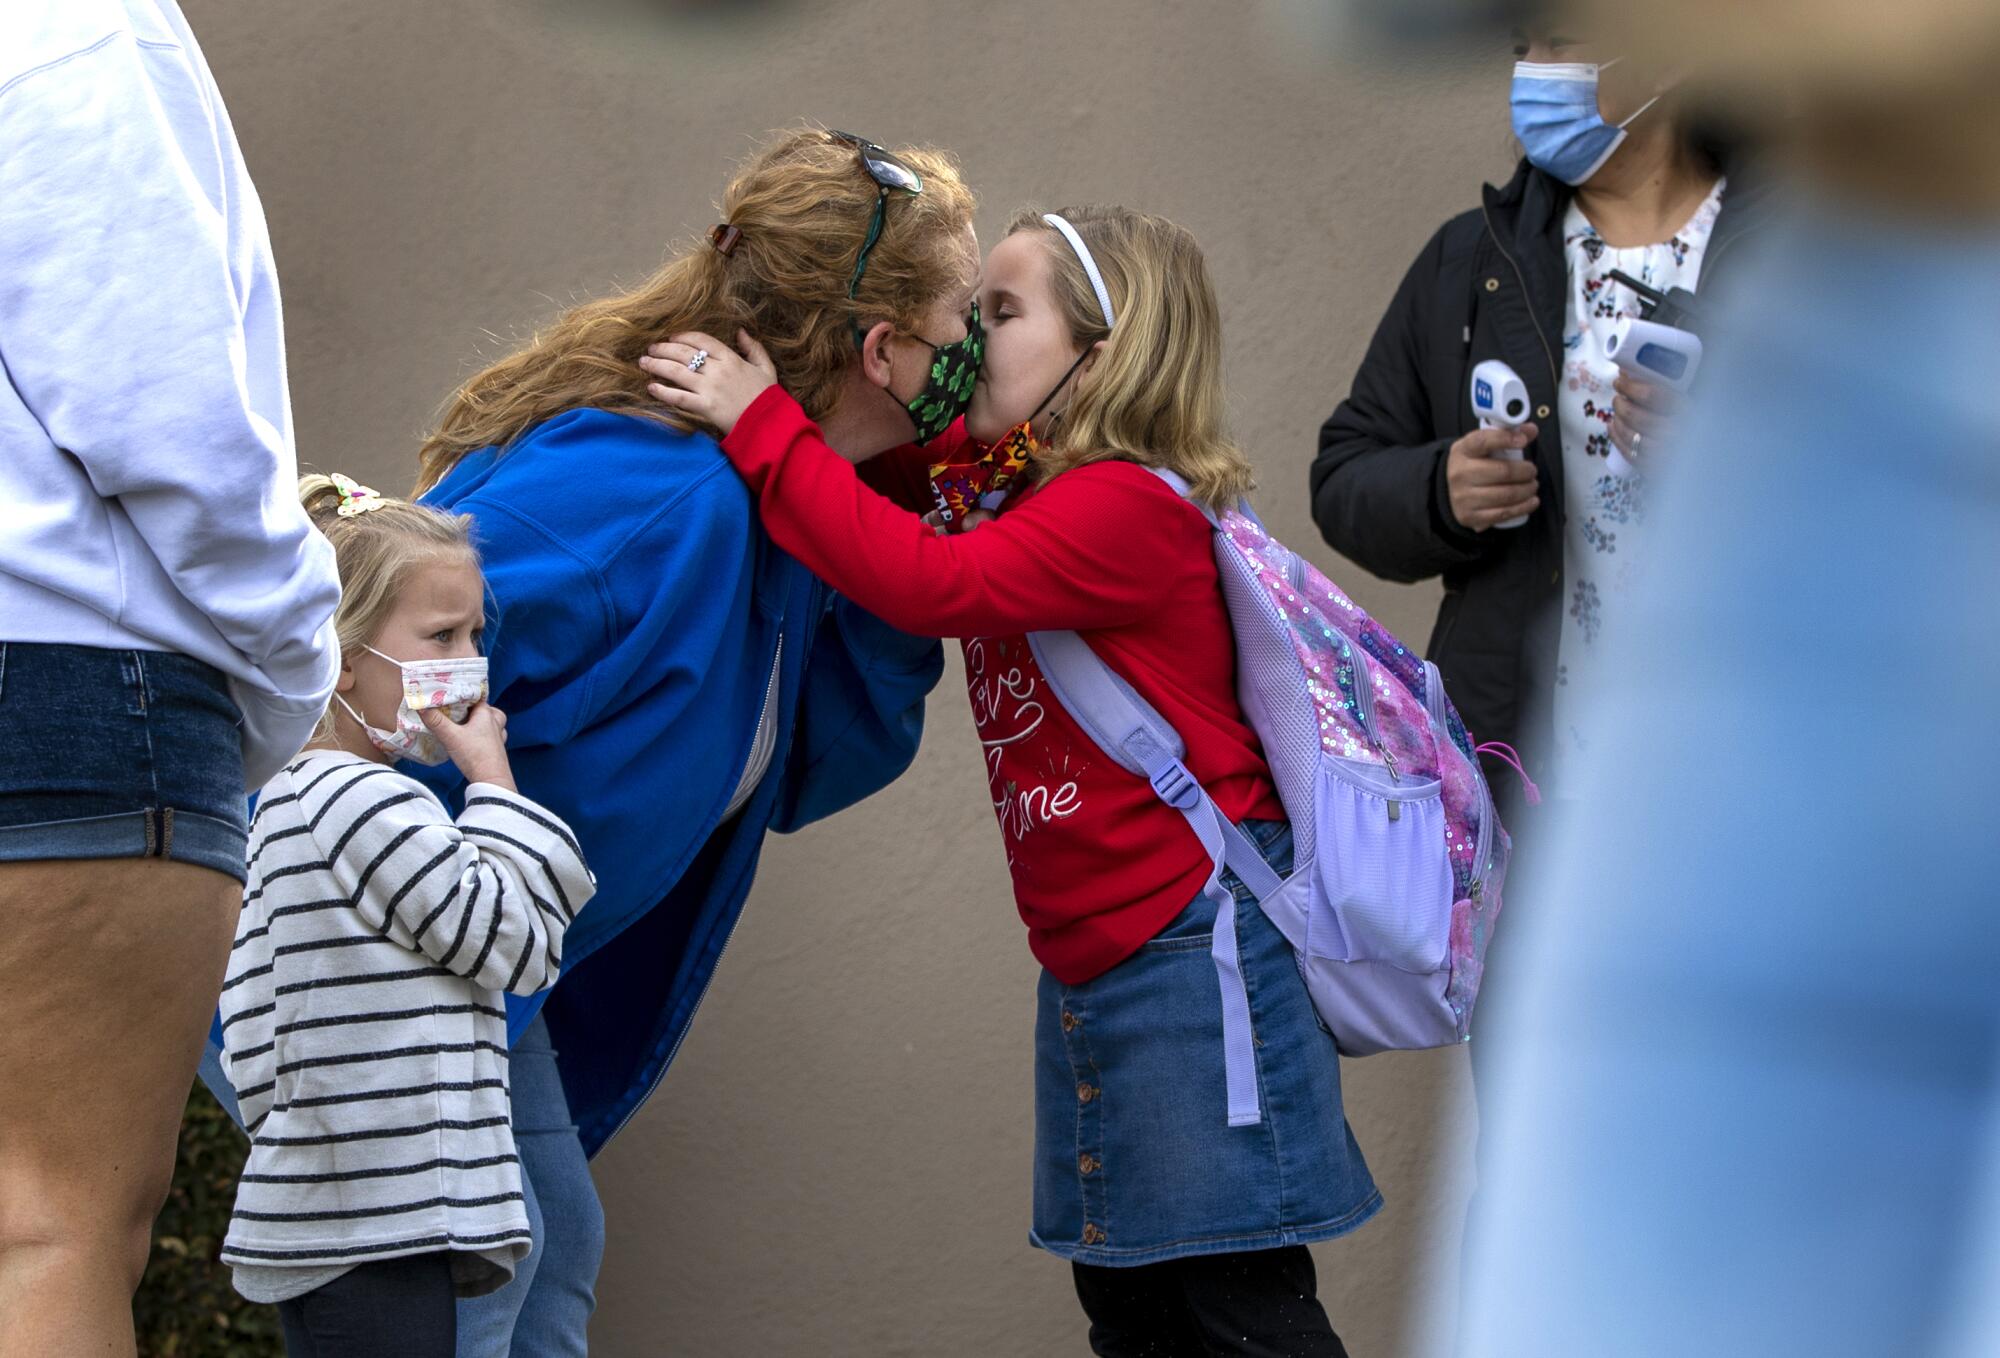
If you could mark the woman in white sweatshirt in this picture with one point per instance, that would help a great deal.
(165, 627)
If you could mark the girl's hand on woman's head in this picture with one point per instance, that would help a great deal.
(703, 377)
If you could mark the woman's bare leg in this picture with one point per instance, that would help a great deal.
(109, 971)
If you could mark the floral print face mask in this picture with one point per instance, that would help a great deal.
(452, 686)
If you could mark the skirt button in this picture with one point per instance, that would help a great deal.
(1085, 1093)
(1088, 1164)
(1093, 1234)
(1070, 1021)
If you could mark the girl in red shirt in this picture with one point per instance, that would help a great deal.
(1103, 358)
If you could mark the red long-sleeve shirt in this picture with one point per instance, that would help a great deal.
(1108, 550)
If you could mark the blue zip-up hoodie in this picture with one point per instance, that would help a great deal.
(637, 608)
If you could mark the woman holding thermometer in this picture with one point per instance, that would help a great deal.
(1501, 428)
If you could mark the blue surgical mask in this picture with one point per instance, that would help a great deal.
(1556, 118)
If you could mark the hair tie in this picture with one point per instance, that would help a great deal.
(355, 498)
(724, 238)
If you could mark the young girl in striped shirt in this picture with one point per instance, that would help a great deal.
(362, 1017)
(1103, 361)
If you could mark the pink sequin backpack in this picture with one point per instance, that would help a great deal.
(1399, 857)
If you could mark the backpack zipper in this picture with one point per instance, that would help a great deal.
(1364, 697)
(1364, 712)
(1481, 858)
(1434, 704)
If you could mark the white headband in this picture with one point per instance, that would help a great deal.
(1089, 265)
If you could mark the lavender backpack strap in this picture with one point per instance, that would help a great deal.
(1128, 729)
(1186, 492)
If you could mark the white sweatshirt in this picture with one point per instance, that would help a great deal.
(145, 428)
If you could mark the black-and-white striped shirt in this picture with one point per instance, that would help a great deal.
(362, 1018)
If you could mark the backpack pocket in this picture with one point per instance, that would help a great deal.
(1385, 884)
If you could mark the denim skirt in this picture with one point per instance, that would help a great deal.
(118, 754)
(1135, 1160)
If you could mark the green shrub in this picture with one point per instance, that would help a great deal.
(186, 1307)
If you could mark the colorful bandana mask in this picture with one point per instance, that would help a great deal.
(452, 686)
(954, 369)
(962, 487)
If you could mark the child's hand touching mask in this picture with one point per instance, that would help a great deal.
(478, 746)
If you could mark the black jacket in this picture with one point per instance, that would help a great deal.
(1491, 284)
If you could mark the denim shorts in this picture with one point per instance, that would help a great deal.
(118, 754)
(1135, 1160)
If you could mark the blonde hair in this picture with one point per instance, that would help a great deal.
(375, 552)
(803, 205)
(1155, 394)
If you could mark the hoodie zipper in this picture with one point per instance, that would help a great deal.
(763, 717)
(764, 713)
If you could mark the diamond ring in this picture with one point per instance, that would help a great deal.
(700, 357)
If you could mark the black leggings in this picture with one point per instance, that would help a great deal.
(407, 1307)
(1263, 1304)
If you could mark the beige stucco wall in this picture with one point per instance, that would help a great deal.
(838, 1162)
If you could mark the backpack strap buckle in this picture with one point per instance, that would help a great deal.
(1176, 786)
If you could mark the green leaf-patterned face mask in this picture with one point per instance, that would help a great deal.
(954, 370)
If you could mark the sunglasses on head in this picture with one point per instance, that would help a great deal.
(888, 173)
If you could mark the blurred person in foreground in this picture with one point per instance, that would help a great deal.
(1763, 952)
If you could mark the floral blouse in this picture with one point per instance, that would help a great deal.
(1604, 539)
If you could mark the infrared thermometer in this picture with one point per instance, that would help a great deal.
(1651, 352)
(1655, 353)
(1500, 401)
(1651, 349)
